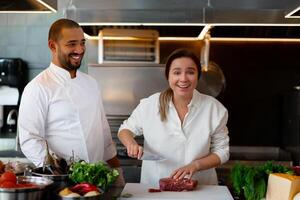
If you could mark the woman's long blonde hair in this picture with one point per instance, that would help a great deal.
(166, 96)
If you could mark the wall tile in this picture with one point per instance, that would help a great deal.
(16, 35)
(38, 66)
(52, 17)
(17, 51)
(37, 35)
(2, 51)
(36, 54)
(3, 35)
(36, 19)
(3, 19)
(33, 72)
(16, 19)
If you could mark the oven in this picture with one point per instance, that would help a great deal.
(131, 167)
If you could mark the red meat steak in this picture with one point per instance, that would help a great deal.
(169, 184)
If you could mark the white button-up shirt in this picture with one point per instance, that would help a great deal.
(202, 132)
(66, 112)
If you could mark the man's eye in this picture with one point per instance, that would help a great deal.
(176, 72)
(191, 72)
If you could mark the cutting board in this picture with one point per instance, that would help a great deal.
(203, 192)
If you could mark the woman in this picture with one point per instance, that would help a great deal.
(180, 124)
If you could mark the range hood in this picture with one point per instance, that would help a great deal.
(28, 6)
(186, 18)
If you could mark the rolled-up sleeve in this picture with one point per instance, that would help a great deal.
(31, 124)
(134, 122)
(220, 140)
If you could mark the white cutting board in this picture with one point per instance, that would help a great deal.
(204, 192)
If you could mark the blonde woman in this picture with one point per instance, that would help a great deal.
(180, 124)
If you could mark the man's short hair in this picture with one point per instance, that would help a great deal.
(57, 26)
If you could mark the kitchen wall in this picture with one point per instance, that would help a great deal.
(25, 36)
(257, 74)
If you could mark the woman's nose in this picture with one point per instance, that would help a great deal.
(183, 77)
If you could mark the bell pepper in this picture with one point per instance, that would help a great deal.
(83, 188)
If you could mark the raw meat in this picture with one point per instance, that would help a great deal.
(170, 184)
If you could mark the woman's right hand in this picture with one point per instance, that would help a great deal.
(135, 151)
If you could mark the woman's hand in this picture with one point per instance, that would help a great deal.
(135, 151)
(185, 171)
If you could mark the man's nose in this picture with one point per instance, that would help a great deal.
(80, 49)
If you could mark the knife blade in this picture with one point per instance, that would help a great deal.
(150, 156)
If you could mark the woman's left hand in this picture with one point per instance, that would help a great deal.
(185, 171)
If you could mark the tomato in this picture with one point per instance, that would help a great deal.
(7, 184)
(8, 176)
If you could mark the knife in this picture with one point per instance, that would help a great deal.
(150, 156)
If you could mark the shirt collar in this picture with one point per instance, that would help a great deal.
(64, 74)
(193, 103)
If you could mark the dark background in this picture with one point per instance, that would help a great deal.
(259, 75)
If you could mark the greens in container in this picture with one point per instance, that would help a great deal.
(251, 181)
(99, 174)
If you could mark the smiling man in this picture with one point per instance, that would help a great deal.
(63, 106)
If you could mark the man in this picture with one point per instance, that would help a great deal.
(63, 106)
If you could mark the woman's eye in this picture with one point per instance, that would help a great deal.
(191, 72)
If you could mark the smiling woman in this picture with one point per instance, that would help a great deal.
(170, 122)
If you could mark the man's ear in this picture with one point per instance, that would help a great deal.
(52, 45)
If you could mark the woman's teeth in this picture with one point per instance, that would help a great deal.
(183, 86)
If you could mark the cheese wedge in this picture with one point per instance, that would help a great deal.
(282, 186)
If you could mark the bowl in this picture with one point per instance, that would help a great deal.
(32, 193)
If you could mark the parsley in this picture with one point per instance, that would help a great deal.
(98, 174)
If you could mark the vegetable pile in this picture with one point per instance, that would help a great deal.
(98, 174)
(9, 180)
(251, 181)
(81, 189)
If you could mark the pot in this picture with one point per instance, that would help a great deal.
(59, 181)
(35, 193)
(56, 178)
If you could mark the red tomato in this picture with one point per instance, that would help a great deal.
(8, 184)
(8, 176)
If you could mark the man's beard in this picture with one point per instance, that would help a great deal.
(66, 64)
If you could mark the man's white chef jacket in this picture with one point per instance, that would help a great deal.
(203, 132)
(68, 113)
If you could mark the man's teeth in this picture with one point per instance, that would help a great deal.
(75, 57)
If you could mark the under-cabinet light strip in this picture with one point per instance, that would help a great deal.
(18, 11)
(137, 24)
(289, 15)
(254, 39)
(47, 5)
(211, 39)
